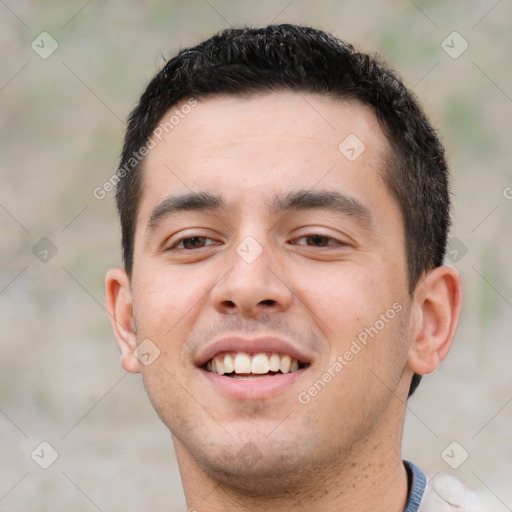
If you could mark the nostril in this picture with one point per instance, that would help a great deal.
(268, 302)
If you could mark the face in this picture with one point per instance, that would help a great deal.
(270, 273)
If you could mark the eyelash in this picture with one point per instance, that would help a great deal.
(320, 235)
(181, 241)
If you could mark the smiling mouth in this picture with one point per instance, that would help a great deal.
(241, 365)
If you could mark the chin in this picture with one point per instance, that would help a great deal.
(254, 461)
(251, 470)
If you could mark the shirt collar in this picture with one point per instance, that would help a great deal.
(417, 482)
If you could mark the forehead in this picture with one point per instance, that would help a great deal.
(269, 140)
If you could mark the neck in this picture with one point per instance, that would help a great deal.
(372, 479)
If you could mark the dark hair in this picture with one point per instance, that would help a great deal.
(303, 59)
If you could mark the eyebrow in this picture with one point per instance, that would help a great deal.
(199, 201)
(323, 200)
(294, 200)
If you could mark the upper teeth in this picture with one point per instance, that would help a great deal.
(241, 362)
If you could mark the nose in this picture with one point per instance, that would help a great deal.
(252, 286)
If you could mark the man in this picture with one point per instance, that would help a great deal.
(284, 210)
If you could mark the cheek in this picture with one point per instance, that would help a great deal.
(342, 297)
(164, 299)
(360, 313)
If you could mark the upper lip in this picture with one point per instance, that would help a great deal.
(261, 344)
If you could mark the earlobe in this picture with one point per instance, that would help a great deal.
(437, 303)
(120, 310)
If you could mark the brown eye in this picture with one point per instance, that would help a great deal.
(189, 243)
(194, 242)
(317, 240)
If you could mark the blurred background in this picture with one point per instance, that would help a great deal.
(70, 73)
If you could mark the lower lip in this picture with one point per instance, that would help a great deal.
(252, 389)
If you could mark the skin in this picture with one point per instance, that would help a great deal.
(340, 451)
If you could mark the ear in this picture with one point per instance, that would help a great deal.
(120, 310)
(437, 302)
